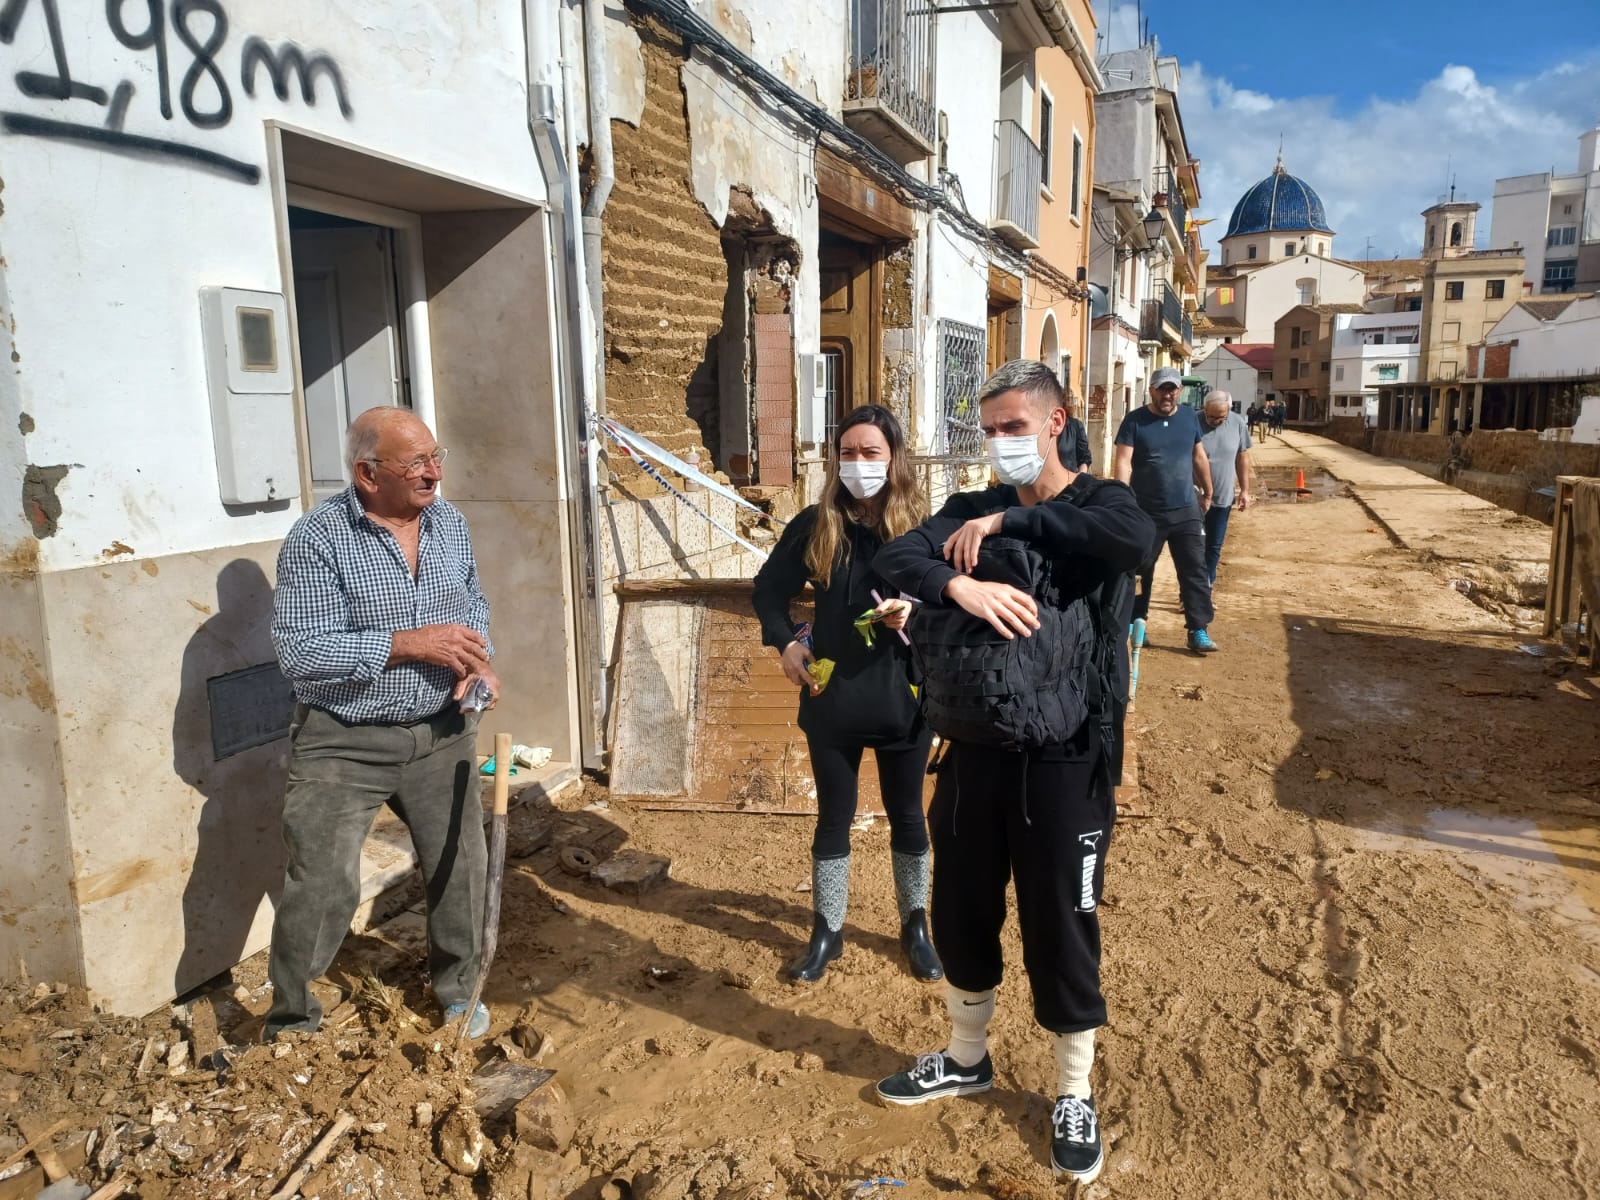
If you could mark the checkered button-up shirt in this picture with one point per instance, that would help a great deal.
(344, 586)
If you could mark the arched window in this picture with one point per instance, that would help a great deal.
(1049, 344)
(1455, 234)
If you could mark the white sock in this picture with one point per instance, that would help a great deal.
(970, 1014)
(1074, 1057)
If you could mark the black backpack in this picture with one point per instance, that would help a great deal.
(1015, 693)
(1029, 692)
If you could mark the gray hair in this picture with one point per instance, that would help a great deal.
(1034, 379)
(361, 442)
(1218, 396)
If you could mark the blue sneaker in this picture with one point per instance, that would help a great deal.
(1200, 642)
(478, 1026)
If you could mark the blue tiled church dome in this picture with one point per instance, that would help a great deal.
(1279, 203)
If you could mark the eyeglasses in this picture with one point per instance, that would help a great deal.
(413, 468)
(1167, 387)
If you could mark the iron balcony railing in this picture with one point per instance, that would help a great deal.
(1188, 332)
(891, 60)
(1169, 194)
(1162, 319)
(1018, 167)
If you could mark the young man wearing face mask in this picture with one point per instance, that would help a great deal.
(1039, 816)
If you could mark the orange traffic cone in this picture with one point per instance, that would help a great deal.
(1300, 482)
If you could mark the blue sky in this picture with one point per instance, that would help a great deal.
(1378, 105)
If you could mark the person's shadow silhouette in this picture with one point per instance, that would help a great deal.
(239, 854)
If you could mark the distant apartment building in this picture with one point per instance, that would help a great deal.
(1302, 360)
(1464, 292)
(1371, 349)
(1150, 271)
(1555, 220)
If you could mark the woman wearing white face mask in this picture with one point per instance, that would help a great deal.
(869, 498)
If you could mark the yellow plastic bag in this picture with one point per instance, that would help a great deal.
(821, 670)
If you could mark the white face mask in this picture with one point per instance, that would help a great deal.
(1016, 459)
(863, 479)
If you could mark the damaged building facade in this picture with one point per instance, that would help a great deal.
(224, 234)
(589, 244)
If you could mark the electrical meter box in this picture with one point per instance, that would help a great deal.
(813, 372)
(251, 380)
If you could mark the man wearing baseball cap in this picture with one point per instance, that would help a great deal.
(1159, 454)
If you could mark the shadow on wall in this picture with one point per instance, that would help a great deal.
(238, 845)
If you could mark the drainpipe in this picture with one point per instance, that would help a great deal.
(577, 413)
(597, 88)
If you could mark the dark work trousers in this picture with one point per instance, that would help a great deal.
(1002, 815)
(339, 777)
(1179, 530)
(901, 770)
(1216, 525)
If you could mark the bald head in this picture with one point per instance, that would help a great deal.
(373, 432)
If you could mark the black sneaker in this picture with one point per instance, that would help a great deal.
(1075, 1148)
(936, 1075)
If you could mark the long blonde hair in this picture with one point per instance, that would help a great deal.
(903, 505)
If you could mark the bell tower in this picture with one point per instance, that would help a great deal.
(1449, 228)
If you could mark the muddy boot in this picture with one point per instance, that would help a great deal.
(911, 894)
(924, 959)
(830, 895)
(826, 945)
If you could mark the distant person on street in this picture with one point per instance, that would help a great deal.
(1279, 411)
(1256, 417)
(381, 625)
(1073, 445)
(1226, 439)
(1160, 456)
(869, 497)
(1032, 807)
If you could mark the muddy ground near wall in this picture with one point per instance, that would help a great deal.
(1351, 950)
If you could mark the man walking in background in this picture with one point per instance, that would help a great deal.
(1160, 456)
(1227, 443)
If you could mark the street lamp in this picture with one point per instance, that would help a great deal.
(1155, 226)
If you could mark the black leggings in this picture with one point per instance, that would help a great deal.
(836, 769)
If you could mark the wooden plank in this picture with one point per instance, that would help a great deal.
(859, 201)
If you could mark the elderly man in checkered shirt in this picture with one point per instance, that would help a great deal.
(382, 627)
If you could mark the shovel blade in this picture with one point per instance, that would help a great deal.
(499, 1087)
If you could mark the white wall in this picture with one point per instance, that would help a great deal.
(1567, 345)
(1224, 369)
(106, 253)
(1273, 290)
(1520, 215)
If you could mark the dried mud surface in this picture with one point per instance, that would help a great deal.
(1350, 941)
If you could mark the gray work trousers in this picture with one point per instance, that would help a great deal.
(339, 777)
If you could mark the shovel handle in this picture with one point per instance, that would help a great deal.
(502, 772)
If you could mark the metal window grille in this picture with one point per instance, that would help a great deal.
(962, 350)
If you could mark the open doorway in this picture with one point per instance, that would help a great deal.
(350, 305)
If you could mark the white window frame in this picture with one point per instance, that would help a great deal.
(1076, 198)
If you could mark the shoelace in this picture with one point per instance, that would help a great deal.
(1069, 1117)
(929, 1066)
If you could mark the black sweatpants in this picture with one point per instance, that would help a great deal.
(1182, 531)
(1042, 818)
(837, 767)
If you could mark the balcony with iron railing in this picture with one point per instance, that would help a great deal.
(1162, 319)
(889, 77)
(1169, 197)
(1018, 167)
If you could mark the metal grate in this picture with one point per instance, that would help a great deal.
(961, 372)
(891, 60)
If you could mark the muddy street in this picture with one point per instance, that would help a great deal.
(1351, 950)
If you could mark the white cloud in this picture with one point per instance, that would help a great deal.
(1377, 167)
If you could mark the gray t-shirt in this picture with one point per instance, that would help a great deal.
(1222, 447)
